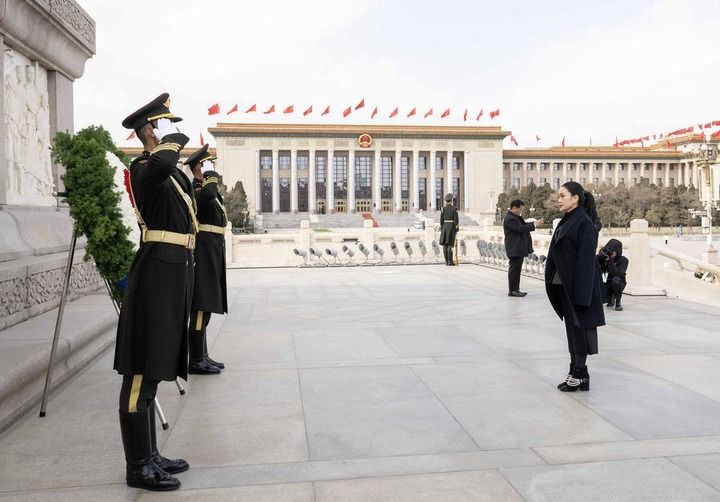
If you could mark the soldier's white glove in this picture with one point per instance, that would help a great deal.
(206, 166)
(164, 127)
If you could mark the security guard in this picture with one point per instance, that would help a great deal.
(152, 331)
(210, 294)
(449, 226)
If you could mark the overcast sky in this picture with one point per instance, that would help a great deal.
(555, 68)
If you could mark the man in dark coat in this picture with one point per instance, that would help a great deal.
(152, 330)
(210, 292)
(449, 226)
(615, 265)
(518, 244)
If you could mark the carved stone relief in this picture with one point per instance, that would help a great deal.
(27, 132)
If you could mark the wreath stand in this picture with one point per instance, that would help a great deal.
(58, 324)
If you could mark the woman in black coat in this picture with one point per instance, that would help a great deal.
(573, 283)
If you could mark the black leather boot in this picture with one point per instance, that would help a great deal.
(580, 380)
(618, 305)
(141, 470)
(205, 353)
(568, 377)
(610, 302)
(169, 465)
(198, 365)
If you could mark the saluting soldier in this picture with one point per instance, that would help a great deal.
(152, 331)
(210, 292)
(449, 226)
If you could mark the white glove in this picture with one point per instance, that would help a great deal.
(164, 127)
(206, 166)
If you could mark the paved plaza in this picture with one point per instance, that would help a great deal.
(402, 383)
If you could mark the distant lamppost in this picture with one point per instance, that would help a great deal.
(705, 156)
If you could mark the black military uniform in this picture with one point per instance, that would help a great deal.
(152, 331)
(210, 292)
(449, 226)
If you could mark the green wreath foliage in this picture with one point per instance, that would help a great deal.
(93, 201)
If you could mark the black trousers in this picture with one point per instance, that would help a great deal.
(514, 271)
(581, 341)
(614, 288)
(137, 393)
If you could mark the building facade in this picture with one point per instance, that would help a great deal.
(355, 168)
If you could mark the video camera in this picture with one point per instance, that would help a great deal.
(606, 253)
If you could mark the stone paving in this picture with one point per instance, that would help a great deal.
(403, 383)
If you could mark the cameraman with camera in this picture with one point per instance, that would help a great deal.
(613, 265)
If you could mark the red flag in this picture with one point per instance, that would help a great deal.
(429, 112)
(233, 110)
(715, 135)
(289, 109)
(327, 110)
(361, 104)
(374, 113)
(412, 112)
(347, 111)
(512, 138)
(132, 135)
(394, 112)
(270, 110)
(563, 142)
(494, 113)
(479, 115)
(308, 111)
(253, 108)
(708, 125)
(202, 141)
(667, 144)
(465, 115)
(445, 113)
(537, 137)
(214, 109)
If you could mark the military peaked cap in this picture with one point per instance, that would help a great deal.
(448, 197)
(158, 108)
(200, 155)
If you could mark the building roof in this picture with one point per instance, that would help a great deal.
(354, 130)
(594, 152)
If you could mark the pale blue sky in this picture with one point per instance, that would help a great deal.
(554, 68)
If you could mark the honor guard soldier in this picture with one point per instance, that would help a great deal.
(210, 292)
(449, 226)
(152, 331)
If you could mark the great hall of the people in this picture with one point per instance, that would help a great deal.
(379, 168)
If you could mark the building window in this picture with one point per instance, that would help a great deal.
(529, 181)
(266, 203)
(266, 162)
(530, 166)
(504, 185)
(516, 182)
(622, 166)
(634, 182)
(385, 177)
(608, 167)
(516, 166)
(672, 167)
(635, 167)
(284, 195)
(422, 163)
(596, 181)
(556, 183)
(660, 167)
(422, 193)
(439, 192)
(569, 179)
(284, 162)
(570, 166)
(583, 181)
(456, 163)
(543, 181)
(363, 177)
(438, 163)
(303, 162)
(596, 166)
(558, 166)
(583, 166)
(671, 182)
(659, 182)
(456, 190)
(505, 166)
(404, 176)
(320, 171)
(544, 166)
(340, 177)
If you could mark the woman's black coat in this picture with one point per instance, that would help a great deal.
(572, 255)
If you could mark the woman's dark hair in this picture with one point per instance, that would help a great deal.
(591, 210)
(576, 188)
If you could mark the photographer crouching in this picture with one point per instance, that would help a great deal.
(613, 265)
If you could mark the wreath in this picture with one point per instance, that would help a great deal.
(95, 193)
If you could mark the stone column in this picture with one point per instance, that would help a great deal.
(330, 184)
(293, 182)
(351, 182)
(466, 184)
(415, 185)
(276, 182)
(312, 181)
(431, 183)
(258, 184)
(377, 205)
(449, 174)
(397, 192)
(639, 274)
